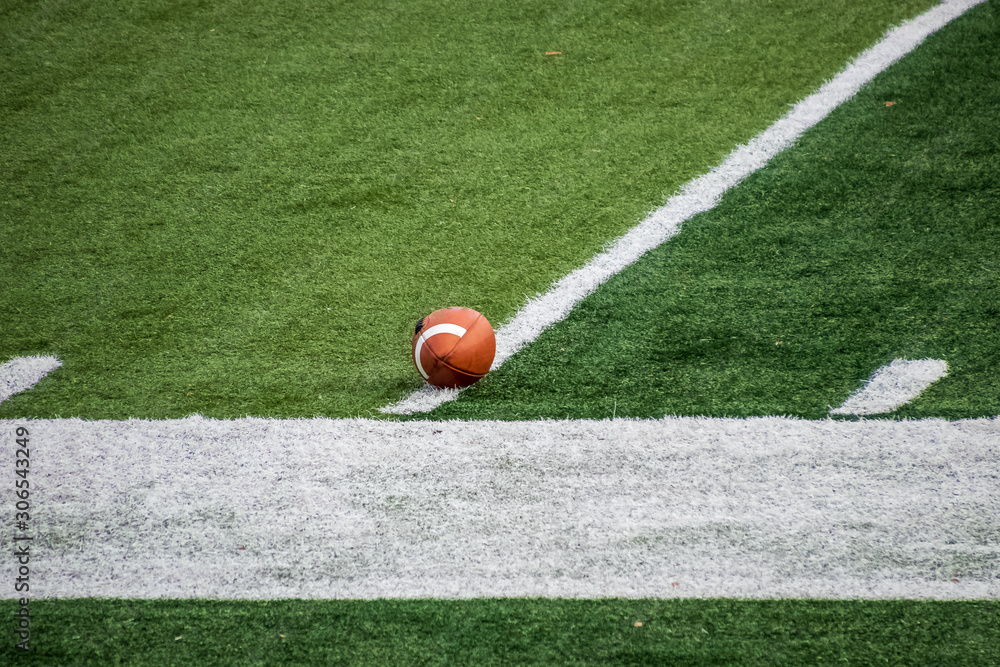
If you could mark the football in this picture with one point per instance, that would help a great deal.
(453, 347)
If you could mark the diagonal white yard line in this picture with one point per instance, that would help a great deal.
(323, 508)
(699, 195)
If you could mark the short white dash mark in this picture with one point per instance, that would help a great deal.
(892, 386)
(23, 373)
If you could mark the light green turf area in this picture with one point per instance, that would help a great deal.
(875, 238)
(235, 208)
(508, 631)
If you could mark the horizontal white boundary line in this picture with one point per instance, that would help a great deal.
(676, 507)
(698, 196)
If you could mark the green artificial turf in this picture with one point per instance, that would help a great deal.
(875, 238)
(236, 208)
(508, 631)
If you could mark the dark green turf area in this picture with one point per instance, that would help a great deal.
(235, 207)
(508, 631)
(877, 237)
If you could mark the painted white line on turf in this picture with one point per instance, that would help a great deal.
(892, 386)
(322, 508)
(699, 195)
(22, 373)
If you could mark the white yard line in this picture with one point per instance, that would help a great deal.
(699, 195)
(325, 508)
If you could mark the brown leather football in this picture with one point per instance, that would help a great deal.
(453, 347)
